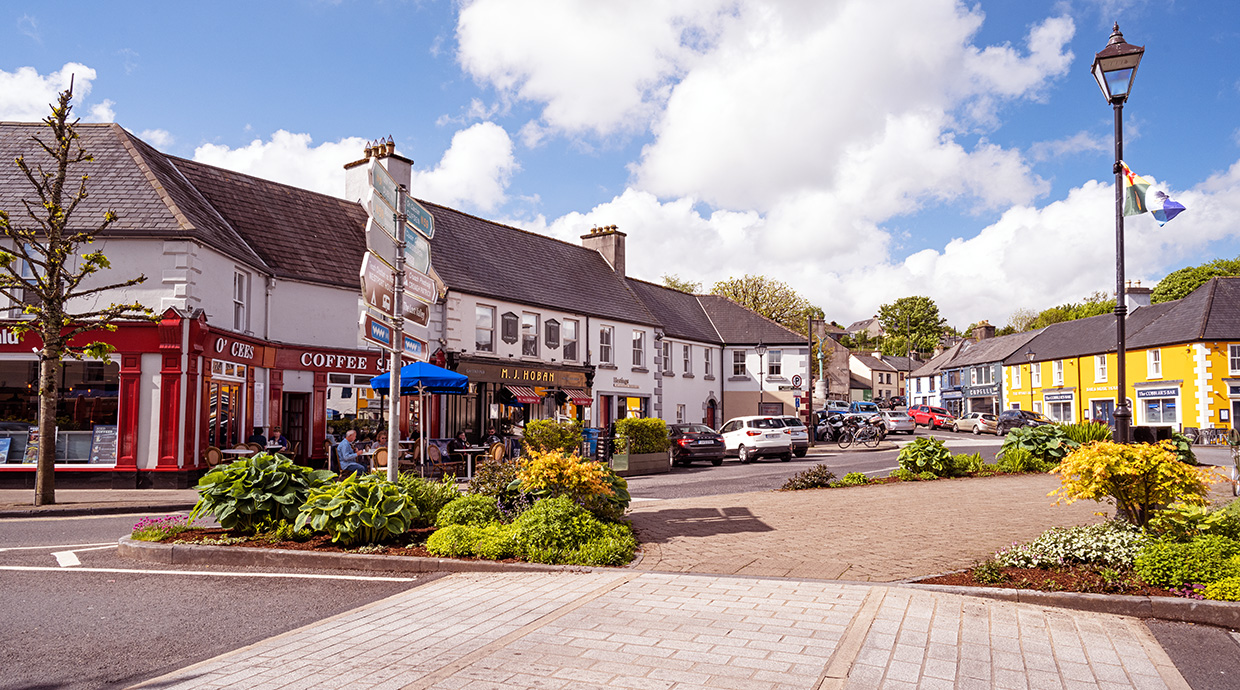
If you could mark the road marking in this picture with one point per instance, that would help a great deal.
(109, 516)
(69, 559)
(58, 546)
(133, 571)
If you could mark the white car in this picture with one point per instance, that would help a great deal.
(800, 434)
(750, 438)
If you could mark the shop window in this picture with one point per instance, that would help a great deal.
(1060, 411)
(688, 361)
(484, 328)
(1100, 368)
(639, 349)
(509, 327)
(1153, 362)
(604, 345)
(1057, 372)
(1160, 411)
(241, 299)
(775, 363)
(738, 362)
(529, 334)
(569, 333)
(87, 411)
(553, 334)
(708, 367)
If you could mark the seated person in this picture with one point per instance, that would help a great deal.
(278, 439)
(491, 436)
(349, 461)
(257, 437)
(458, 444)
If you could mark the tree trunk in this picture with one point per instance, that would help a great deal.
(45, 475)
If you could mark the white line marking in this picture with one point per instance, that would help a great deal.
(59, 546)
(66, 559)
(302, 576)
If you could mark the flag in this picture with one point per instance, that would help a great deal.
(1141, 196)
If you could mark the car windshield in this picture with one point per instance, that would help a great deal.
(791, 421)
(767, 423)
(692, 429)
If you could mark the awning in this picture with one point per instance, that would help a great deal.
(523, 394)
(578, 397)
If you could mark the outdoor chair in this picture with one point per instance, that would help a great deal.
(497, 451)
(380, 458)
(254, 447)
(213, 456)
(441, 465)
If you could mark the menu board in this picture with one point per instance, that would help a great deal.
(32, 446)
(103, 444)
(5, 443)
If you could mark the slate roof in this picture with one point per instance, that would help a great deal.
(936, 364)
(737, 325)
(873, 363)
(680, 313)
(1211, 312)
(991, 350)
(488, 259)
(902, 363)
(862, 324)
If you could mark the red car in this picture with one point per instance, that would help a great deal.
(933, 417)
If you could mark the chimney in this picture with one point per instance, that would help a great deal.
(983, 331)
(356, 184)
(609, 242)
(1136, 296)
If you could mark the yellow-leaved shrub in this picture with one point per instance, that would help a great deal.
(1138, 478)
(591, 484)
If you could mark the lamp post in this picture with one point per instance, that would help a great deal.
(1115, 68)
(761, 350)
(809, 378)
(1029, 374)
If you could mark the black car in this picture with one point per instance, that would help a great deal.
(895, 401)
(694, 442)
(1011, 419)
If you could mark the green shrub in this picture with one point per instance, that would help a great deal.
(554, 526)
(1203, 560)
(927, 454)
(1114, 543)
(816, 477)
(904, 475)
(496, 542)
(963, 464)
(989, 572)
(644, 434)
(546, 435)
(492, 477)
(1139, 478)
(589, 483)
(454, 541)
(1087, 432)
(256, 493)
(854, 479)
(615, 546)
(927, 476)
(362, 509)
(472, 510)
(1183, 448)
(1226, 589)
(428, 497)
(1019, 460)
(1184, 522)
(1048, 443)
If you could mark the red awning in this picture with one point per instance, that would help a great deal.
(524, 394)
(578, 397)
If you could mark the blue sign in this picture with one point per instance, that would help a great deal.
(1158, 393)
(1059, 396)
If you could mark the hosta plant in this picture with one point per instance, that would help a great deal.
(363, 509)
(927, 454)
(256, 493)
(1048, 443)
(1185, 522)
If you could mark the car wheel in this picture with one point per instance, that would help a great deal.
(977, 429)
(786, 457)
(742, 454)
(717, 462)
(801, 452)
(956, 428)
(671, 458)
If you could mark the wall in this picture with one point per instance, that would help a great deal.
(742, 394)
(694, 387)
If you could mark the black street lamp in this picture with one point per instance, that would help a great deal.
(761, 350)
(1030, 356)
(1115, 68)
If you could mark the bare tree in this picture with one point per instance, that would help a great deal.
(43, 267)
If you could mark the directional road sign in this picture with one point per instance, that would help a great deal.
(382, 182)
(420, 286)
(419, 218)
(379, 290)
(381, 213)
(376, 331)
(417, 252)
(416, 216)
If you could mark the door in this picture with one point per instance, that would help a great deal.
(1102, 411)
(710, 414)
(296, 425)
(223, 414)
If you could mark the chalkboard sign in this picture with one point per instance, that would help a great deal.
(103, 444)
(5, 443)
(32, 446)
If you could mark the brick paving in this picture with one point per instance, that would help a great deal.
(881, 533)
(670, 631)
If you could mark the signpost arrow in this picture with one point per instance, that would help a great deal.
(419, 218)
(379, 289)
(382, 183)
(420, 286)
(381, 213)
(417, 253)
(376, 331)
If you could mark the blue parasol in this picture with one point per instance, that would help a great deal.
(423, 377)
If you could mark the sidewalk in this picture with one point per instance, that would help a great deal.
(20, 502)
(690, 632)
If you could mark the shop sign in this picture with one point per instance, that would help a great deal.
(1058, 396)
(479, 372)
(618, 382)
(1096, 389)
(318, 360)
(1158, 393)
(982, 391)
(786, 387)
(952, 395)
(237, 350)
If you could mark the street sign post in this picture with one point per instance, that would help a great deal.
(420, 286)
(376, 331)
(419, 218)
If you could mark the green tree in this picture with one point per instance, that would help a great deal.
(1181, 283)
(911, 324)
(674, 282)
(771, 298)
(1096, 304)
(45, 267)
(1021, 320)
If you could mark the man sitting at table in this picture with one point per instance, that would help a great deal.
(458, 444)
(278, 439)
(347, 457)
(257, 437)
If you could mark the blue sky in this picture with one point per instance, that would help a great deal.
(859, 150)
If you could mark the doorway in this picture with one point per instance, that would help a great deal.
(1102, 411)
(294, 424)
(710, 415)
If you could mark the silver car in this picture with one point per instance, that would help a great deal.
(800, 434)
(899, 421)
(977, 422)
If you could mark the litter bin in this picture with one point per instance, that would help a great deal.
(591, 439)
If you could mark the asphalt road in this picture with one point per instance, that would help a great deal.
(110, 622)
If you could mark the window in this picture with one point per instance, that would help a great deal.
(1234, 358)
(738, 362)
(1159, 410)
(709, 367)
(1060, 411)
(931, 384)
(1100, 368)
(973, 376)
(680, 414)
(552, 337)
(1057, 372)
(985, 375)
(666, 365)
(1035, 377)
(508, 327)
(484, 328)
(1016, 377)
(1037, 406)
(568, 332)
(775, 363)
(919, 385)
(1153, 362)
(241, 292)
(688, 360)
(529, 334)
(87, 400)
(604, 345)
(639, 349)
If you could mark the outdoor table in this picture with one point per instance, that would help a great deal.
(236, 452)
(471, 453)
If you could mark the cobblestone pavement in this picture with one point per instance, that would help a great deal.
(690, 632)
(880, 533)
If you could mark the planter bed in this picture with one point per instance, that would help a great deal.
(1075, 578)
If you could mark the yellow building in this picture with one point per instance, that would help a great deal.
(1182, 364)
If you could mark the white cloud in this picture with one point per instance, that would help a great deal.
(26, 95)
(159, 138)
(101, 112)
(1075, 144)
(289, 158)
(29, 26)
(474, 171)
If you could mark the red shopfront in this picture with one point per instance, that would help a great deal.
(173, 389)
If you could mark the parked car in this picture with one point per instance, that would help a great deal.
(899, 421)
(834, 406)
(896, 401)
(800, 434)
(753, 437)
(694, 442)
(863, 406)
(978, 423)
(1011, 419)
(933, 417)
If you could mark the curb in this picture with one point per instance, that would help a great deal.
(194, 554)
(97, 509)
(1224, 614)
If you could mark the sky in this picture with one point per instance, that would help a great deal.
(858, 150)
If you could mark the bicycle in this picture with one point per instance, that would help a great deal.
(863, 434)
